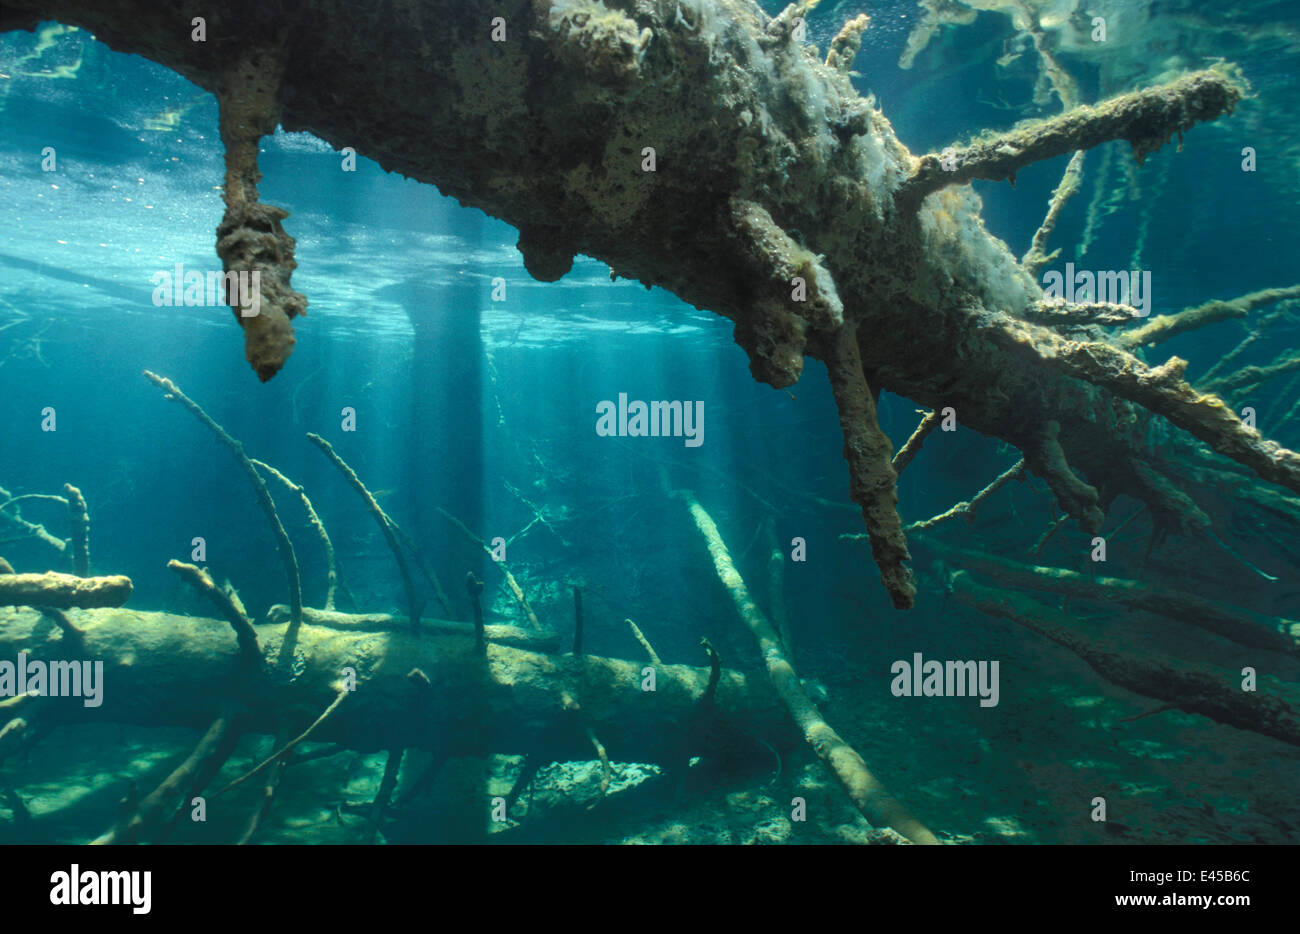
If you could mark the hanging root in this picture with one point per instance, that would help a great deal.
(1045, 457)
(792, 292)
(872, 480)
(1146, 119)
(250, 239)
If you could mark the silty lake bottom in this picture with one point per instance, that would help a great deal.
(670, 422)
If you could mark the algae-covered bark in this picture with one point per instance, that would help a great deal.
(166, 670)
(700, 146)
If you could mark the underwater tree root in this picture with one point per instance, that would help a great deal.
(288, 748)
(29, 529)
(282, 543)
(819, 185)
(1216, 695)
(912, 446)
(270, 789)
(868, 795)
(1161, 390)
(644, 643)
(386, 525)
(1163, 327)
(1038, 257)
(967, 508)
(392, 766)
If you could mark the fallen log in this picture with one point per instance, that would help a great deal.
(501, 633)
(1236, 624)
(161, 669)
(844, 762)
(1216, 693)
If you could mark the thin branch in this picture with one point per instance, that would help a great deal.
(967, 509)
(386, 524)
(1037, 257)
(929, 422)
(201, 581)
(283, 545)
(645, 644)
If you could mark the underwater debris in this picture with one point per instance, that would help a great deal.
(844, 762)
(63, 591)
(1146, 119)
(80, 525)
(903, 292)
(234, 614)
(1245, 627)
(775, 141)
(282, 543)
(1210, 694)
(250, 238)
(386, 525)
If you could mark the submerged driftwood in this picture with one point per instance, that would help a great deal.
(700, 146)
(162, 669)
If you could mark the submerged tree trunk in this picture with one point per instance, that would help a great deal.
(701, 146)
(161, 669)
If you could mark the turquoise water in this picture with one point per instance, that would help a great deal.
(484, 405)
